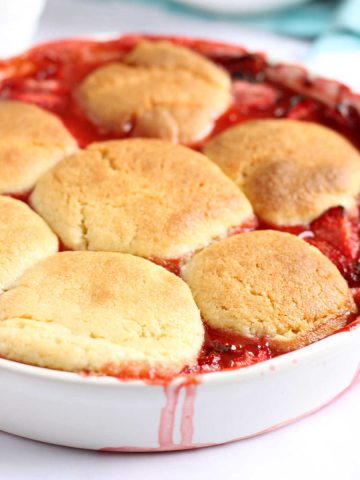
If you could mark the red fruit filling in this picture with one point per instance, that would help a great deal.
(336, 234)
(224, 350)
(48, 75)
(254, 96)
(24, 196)
(172, 264)
(340, 229)
(346, 267)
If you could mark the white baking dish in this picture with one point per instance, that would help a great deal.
(105, 413)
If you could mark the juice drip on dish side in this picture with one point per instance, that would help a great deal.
(168, 413)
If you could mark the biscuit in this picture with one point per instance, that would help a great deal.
(100, 312)
(24, 240)
(160, 90)
(271, 284)
(166, 55)
(147, 197)
(31, 142)
(291, 171)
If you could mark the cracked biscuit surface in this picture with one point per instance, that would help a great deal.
(141, 196)
(291, 171)
(161, 90)
(24, 240)
(31, 142)
(100, 311)
(268, 283)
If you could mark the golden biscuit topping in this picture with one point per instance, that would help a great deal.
(93, 310)
(146, 197)
(24, 240)
(291, 171)
(166, 55)
(160, 90)
(31, 142)
(268, 283)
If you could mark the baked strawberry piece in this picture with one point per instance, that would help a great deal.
(340, 228)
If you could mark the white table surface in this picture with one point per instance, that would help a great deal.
(323, 446)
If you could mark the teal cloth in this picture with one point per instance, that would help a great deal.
(343, 33)
(306, 21)
(334, 25)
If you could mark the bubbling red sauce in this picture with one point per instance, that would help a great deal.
(48, 76)
(223, 350)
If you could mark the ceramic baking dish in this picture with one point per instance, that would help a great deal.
(105, 413)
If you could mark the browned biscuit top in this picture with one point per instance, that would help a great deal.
(31, 141)
(160, 89)
(291, 171)
(24, 240)
(268, 283)
(99, 310)
(141, 196)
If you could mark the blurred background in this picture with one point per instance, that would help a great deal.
(323, 34)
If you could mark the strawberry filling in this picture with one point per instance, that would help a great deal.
(336, 233)
(23, 196)
(172, 264)
(225, 351)
(340, 229)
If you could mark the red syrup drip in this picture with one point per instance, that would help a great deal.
(49, 75)
(166, 430)
(167, 419)
(354, 381)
